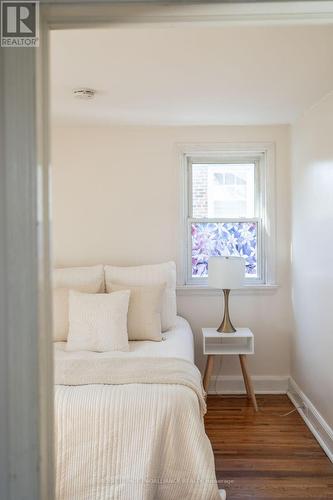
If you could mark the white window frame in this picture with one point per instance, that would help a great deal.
(263, 155)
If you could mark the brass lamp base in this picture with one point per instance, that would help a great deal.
(226, 326)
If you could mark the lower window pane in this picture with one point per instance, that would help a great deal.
(223, 238)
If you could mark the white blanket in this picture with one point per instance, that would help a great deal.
(133, 431)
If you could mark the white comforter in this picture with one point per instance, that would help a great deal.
(130, 427)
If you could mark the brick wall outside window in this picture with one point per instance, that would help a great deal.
(199, 197)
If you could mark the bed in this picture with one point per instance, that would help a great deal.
(129, 425)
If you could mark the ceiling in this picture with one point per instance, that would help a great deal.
(192, 75)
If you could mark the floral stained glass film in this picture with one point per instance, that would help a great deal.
(223, 238)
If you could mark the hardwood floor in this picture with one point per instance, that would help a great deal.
(263, 455)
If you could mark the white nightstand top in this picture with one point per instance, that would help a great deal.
(240, 332)
(239, 342)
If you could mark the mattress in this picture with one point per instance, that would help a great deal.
(177, 343)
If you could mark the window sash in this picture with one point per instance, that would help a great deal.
(193, 160)
(203, 281)
(263, 154)
(258, 207)
(225, 159)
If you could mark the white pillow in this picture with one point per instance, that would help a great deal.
(155, 274)
(83, 279)
(98, 321)
(144, 311)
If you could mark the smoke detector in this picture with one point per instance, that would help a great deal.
(83, 93)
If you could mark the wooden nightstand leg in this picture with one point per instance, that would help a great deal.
(248, 381)
(208, 371)
(243, 367)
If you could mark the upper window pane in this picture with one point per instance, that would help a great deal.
(223, 190)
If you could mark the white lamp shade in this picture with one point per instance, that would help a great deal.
(226, 272)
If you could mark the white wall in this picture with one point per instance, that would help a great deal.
(312, 243)
(116, 199)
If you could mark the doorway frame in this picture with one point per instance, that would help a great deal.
(26, 369)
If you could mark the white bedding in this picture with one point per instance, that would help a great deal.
(123, 440)
(177, 343)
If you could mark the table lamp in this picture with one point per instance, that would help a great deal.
(226, 273)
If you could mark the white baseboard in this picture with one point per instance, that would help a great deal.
(233, 384)
(311, 416)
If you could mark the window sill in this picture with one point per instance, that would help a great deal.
(245, 290)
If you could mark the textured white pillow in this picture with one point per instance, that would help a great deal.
(155, 274)
(98, 321)
(83, 279)
(144, 311)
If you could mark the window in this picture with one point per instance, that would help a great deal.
(226, 212)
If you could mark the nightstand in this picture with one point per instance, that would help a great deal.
(240, 343)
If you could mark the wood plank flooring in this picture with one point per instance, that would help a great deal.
(263, 455)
